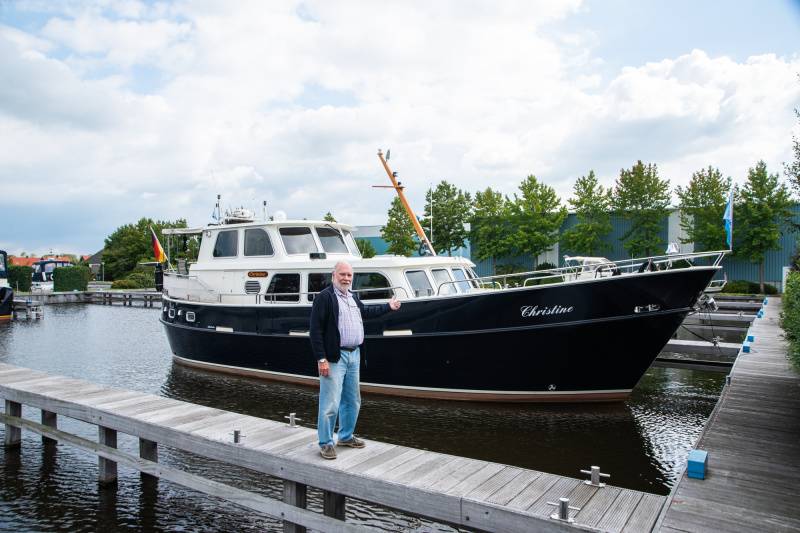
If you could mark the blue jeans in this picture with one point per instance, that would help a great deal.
(340, 395)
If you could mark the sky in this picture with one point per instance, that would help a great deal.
(111, 111)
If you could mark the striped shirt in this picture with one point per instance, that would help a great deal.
(351, 327)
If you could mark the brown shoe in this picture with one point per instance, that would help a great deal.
(327, 452)
(353, 442)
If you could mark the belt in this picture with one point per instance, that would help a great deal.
(348, 349)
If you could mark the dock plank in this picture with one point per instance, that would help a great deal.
(753, 444)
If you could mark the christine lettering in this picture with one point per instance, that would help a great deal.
(533, 310)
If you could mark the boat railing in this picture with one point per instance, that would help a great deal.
(598, 270)
(190, 288)
(293, 297)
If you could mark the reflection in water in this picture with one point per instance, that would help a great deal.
(642, 442)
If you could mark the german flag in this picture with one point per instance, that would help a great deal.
(158, 251)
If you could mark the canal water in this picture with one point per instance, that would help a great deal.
(642, 443)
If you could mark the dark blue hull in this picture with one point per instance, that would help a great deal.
(582, 341)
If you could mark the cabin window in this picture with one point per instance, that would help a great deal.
(366, 283)
(332, 241)
(461, 276)
(316, 283)
(441, 276)
(351, 244)
(420, 286)
(227, 244)
(256, 242)
(298, 240)
(283, 288)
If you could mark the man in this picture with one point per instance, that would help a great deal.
(337, 338)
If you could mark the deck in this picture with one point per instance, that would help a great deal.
(753, 444)
(453, 490)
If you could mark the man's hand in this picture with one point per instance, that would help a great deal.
(394, 303)
(324, 369)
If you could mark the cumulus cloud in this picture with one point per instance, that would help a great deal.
(131, 109)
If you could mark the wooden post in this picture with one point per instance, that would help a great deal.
(333, 504)
(49, 419)
(13, 434)
(108, 468)
(294, 494)
(148, 450)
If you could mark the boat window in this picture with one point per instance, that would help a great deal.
(332, 241)
(365, 283)
(256, 242)
(351, 243)
(284, 287)
(317, 282)
(420, 286)
(227, 244)
(3, 268)
(460, 276)
(441, 276)
(298, 240)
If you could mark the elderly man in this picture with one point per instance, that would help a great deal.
(337, 339)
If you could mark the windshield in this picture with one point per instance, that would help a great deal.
(298, 240)
(332, 241)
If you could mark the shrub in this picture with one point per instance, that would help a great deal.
(747, 287)
(790, 318)
(142, 280)
(71, 278)
(20, 277)
(124, 284)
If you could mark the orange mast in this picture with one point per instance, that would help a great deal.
(399, 188)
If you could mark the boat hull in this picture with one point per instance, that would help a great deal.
(6, 303)
(580, 341)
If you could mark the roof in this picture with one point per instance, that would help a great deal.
(29, 261)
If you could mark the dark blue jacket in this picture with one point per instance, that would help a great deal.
(324, 327)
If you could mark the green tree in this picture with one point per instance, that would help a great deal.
(642, 197)
(131, 244)
(366, 248)
(761, 217)
(592, 205)
(489, 227)
(329, 217)
(451, 211)
(535, 216)
(703, 203)
(399, 232)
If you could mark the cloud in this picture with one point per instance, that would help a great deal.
(132, 109)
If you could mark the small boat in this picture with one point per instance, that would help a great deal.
(6, 293)
(586, 332)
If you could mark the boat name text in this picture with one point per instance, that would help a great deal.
(533, 310)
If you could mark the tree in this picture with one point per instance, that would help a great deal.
(329, 217)
(489, 227)
(366, 248)
(592, 204)
(399, 232)
(761, 217)
(703, 203)
(535, 216)
(451, 210)
(642, 197)
(131, 244)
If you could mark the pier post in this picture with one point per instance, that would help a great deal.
(13, 434)
(333, 504)
(294, 494)
(49, 419)
(108, 468)
(148, 450)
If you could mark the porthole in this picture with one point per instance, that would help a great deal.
(189, 316)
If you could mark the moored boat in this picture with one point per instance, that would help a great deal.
(579, 333)
(6, 293)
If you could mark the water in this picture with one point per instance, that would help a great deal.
(642, 443)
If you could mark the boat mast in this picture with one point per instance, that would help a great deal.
(426, 244)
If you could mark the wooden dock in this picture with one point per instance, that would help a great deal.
(123, 297)
(462, 492)
(753, 444)
(30, 309)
